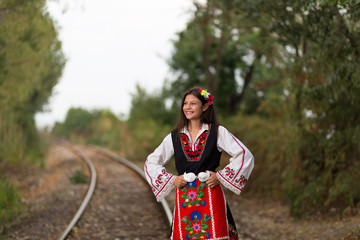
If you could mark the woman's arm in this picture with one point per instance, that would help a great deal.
(235, 174)
(160, 180)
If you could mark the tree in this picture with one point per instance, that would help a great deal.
(223, 49)
(303, 55)
(321, 43)
(31, 62)
(146, 106)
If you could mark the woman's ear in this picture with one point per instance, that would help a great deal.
(205, 107)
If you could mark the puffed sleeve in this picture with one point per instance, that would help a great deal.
(235, 174)
(160, 180)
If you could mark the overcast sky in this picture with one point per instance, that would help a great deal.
(111, 45)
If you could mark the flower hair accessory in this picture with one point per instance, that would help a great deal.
(208, 97)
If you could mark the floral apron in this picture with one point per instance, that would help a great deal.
(201, 212)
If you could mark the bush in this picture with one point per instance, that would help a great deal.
(20, 143)
(266, 139)
(10, 203)
(310, 170)
(78, 177)
(144, 137)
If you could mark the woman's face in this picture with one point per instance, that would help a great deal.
(193, 107)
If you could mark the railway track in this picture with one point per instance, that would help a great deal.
(121, 206)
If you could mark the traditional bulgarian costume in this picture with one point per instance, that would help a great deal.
(200, 212)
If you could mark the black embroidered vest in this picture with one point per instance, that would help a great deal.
(206, 157)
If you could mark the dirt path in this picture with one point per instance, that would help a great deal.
(266, 219)
(49, 195)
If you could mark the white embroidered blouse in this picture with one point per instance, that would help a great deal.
(233, 176)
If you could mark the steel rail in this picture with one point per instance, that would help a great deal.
(129, 164)
(88, 195)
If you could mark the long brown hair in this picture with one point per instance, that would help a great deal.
(207, 116)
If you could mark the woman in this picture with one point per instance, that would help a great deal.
(196, 143)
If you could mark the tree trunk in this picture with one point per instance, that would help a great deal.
(237, 99)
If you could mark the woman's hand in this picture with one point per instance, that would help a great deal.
(180, 181)
(213, 180)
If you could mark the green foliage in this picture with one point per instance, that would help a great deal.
(293, 66)
(105, 128)
(20, 141)
(99, 127)
(12, 139)
(150, 106)
(222, 50)
(149, 122)
(267, 139)
(133, 139)
(356, 231)
(326, 104)
(145, 137)
(31, 62)
(10, 203)
(78, 177)
(31, 57)
(77, 122)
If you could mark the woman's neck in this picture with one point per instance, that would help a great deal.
(194, 125)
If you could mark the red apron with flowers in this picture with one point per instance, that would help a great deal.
(200, 213)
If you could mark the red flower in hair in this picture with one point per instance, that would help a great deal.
(206, 95)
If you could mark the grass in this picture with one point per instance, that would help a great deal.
(10, 204)
(356, 231)
(78, 177)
